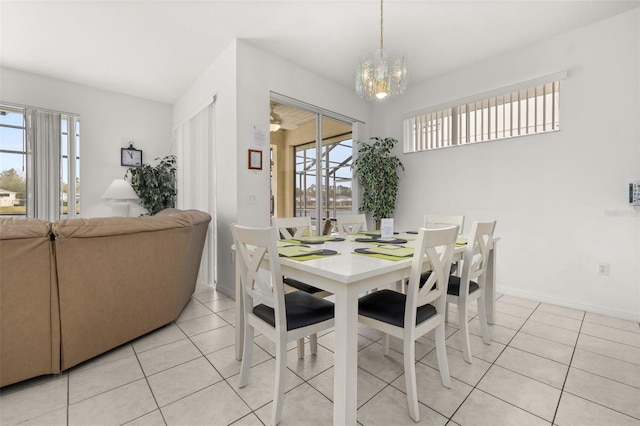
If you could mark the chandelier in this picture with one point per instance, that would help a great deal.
(383, 74)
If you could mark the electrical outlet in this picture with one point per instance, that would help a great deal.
(603, 268)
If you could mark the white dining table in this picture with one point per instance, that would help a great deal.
(348, 276)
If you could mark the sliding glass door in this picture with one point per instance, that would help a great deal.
(311, 173)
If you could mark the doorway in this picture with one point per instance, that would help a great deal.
(311, 156)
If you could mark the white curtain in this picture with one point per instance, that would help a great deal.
(195, 146)
(43, 164)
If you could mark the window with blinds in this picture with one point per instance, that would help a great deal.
(39, 163)
(522, 112)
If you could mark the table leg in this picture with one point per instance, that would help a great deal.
(345, 373)
(239, 314)
(490, 285)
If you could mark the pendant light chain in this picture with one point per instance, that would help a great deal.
(381, 27)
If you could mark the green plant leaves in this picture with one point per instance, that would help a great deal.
(155, 185)
(376, 170)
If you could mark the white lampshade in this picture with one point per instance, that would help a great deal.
(120, 189)
(119, 192)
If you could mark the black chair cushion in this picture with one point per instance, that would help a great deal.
(425, 275)
(389, 306)
(302, 309)
(454, 286)
(301, 286)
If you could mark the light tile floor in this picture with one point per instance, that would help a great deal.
(546, 365)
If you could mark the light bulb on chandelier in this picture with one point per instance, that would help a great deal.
(383, 74)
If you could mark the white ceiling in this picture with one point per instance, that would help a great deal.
(156, 49)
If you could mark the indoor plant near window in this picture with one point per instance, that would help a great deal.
(377, 172)
(155, 185)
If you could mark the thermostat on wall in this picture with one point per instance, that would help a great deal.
(634, 192)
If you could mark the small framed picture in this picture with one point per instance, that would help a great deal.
(255, 159)
(130, 157)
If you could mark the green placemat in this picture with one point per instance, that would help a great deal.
(367, 252)
(375, 233)
(302, 253)
(396, 251)
(314, 239)
(297, 250)
(313, 256)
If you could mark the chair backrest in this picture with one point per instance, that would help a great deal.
(260, 271)
(437, 247)
(439, 221)
(474, 260)
(293, 227)
(351, 223)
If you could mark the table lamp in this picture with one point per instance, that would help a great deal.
(119, 193)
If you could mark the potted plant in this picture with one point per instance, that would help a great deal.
(155, 185)
(377, 172)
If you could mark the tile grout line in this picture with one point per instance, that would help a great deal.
(146, 379)
(68, 397)
(201, 353)
(474, 387)
(569, 369)
(566, 377)
(485, 373)
(233, 389)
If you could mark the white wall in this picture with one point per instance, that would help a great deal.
(242, 78)
(219, 80)
(109, 121)
(560, 199)
(260, 73)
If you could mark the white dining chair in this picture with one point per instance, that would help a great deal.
(293, 227)
(281, 317)
(298, 227)
(411, 315)
(439, 220)
(469, 287)
(351, 223)
(435, 221)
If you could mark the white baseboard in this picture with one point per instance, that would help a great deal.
(229, 292)
(202, 286)
(596, 309)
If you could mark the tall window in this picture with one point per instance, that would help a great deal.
(70, 167)
(522, 112)
(39, 163)
(336, 162)
(13, 156)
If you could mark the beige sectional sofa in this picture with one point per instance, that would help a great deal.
(76, 288)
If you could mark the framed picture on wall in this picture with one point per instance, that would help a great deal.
(255, 159)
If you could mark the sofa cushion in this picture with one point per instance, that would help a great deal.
(14, 228)
(29, 316)
(120, 278)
